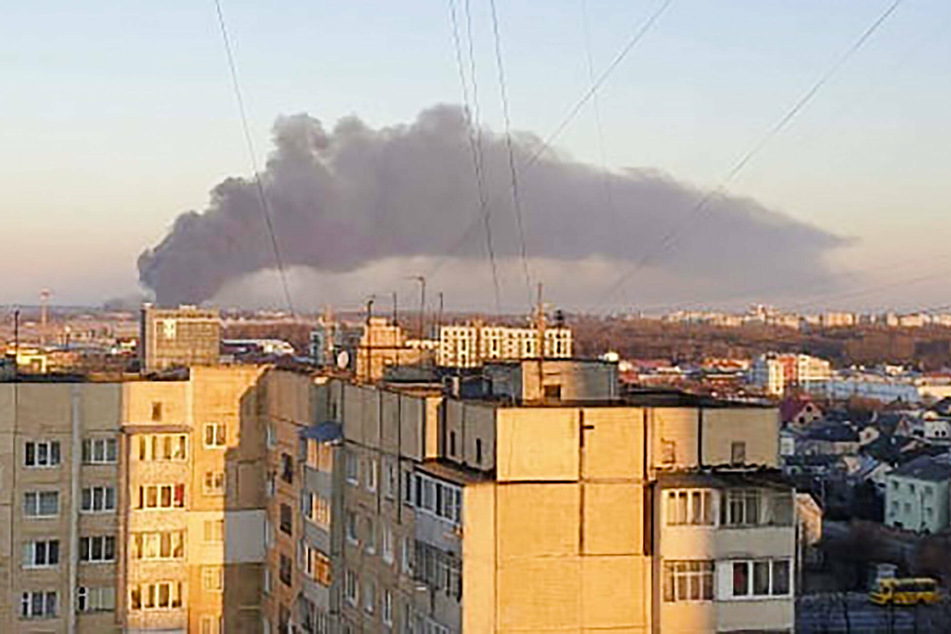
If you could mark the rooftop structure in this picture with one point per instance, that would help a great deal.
(178, 337)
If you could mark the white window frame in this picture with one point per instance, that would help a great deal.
(369, 596)
(352, 528)
(153, 591)
(144, 496)
(102, 540)
(32, 510)
(682, 577)
(100, 451)
(733, 499)
(750, 564)
(681, 507)
(48, 608)
(52, 458)
(36, 553)
(95, 599)
(387, 607)
(372, 470)
(218, 436)
(148, 545)
(351, 468)
(387, 545)
(101, 499)
(149, 447)
(351, 588)
(213, 531)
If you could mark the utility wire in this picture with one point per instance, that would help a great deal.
(702, 205)
(638, 35)
(259, 184)
(475, 147)
(596, 107)
(516, 199)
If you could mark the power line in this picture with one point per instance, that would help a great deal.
(475, 147)
(265, 207)
(638, 35)
(516, 201)
(596, 106)
(702, 204)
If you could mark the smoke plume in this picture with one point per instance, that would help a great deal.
(346, 199)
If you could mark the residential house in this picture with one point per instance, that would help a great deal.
(916, 495)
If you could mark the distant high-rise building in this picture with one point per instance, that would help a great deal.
(471, 345)
(178, 337)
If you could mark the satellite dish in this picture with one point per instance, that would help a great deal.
(343, 360)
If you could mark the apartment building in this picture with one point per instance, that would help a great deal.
(133, 506)
(59, 522)
(917, 495)
(415, 511)
(178, 337)
(468, 346)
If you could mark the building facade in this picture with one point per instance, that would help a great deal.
(917, 495)
(178, 337)
(420, 512)
(470, 345)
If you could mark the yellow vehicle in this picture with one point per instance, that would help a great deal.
(905, 591)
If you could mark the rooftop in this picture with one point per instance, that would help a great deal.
(934, 469)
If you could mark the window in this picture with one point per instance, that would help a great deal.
(738, 453)
(688, 581)
(320, 456)
(92, 599)
(284, 620)
(156, 411)
(215, 435)
(478, 451)
(438, 498)
(287, 468)
(371, 536)
(158, 545)
(316, 509)
(353, 468)
(911, 487)
(214, 531)
(163, 595)
(371, 474)
(350, 587)
(761, 578)
(214, 483)
(97, 549)
(285, 570)
(41, 454)
(154, 447)
(41, 503)
(741, 508)
(438, 569)
(387, 544)
(40, 554)
(689, 506)
(387, 607)
(161, 496)
(408, 488)
(452, 444)
(369, 596)
(98, 500)
(287, 520)
(317, 565)
(352, 528)
(390, 484)
(212, 578)
(38, 604)
(668, 452)
(100, 451)
(210, 624)
(406, 557)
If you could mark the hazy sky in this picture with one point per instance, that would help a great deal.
(116, 116)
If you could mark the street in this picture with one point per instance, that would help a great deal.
(824, 614)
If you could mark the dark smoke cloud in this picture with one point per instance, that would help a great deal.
(344, 199)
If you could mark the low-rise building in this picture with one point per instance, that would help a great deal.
(917, 495)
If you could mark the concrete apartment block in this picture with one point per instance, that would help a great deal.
(655, 513)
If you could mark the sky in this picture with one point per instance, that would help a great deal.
(115, 117)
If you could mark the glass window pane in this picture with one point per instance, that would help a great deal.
(781, 577)
(760, 577)
(697, 507)
(740, 579)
